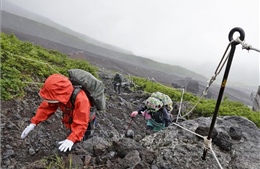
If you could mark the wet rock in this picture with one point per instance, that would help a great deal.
(204, 131)
(185, 151)
(31, 151)
(235, 133)
(95, 145)
(124, 146)
(8, 153)
(256, 100)
(130, 134)
(131, 159)
(223, 140)
(99, 149)
(148, 156)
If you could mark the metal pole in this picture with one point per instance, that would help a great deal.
(179, 112)
(224, 81)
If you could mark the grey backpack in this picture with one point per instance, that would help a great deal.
(93, 87)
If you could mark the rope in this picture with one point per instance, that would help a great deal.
(187, 130)
(245, 45)
(213, 78)
(37, 62)
(207, 143)
(179, 112)
(193, 107)
(216, 158)
(49, 66)
(34, 83)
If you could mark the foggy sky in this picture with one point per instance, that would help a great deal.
(189, 33)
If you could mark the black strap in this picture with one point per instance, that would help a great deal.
(92, 111)
(73, 99)
(74, 95)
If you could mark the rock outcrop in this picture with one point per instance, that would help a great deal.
(236, 143)
(256, 100)
(188, 84)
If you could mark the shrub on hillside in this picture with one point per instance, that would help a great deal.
(23, 63)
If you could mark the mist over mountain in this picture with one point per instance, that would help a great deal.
(42, 31)
(16, 10)
(200, 60)
(26, 22)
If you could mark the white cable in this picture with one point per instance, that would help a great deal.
(188, 130)
(216, 158)
(37, 62)
(34, 83)
(213, 78)
(207, 143)
(179, 112)
(245, 45)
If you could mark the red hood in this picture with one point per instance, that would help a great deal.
(57, 87)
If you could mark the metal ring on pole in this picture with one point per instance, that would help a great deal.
(241, 32)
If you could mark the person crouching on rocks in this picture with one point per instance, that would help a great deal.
(56, 93)
(155, 113)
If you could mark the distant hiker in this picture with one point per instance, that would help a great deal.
(155, 113)
(56, 93)
(118, 79)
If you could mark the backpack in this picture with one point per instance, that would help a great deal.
(93, 88)
(167, 102)
(153, 104)
(118, 78)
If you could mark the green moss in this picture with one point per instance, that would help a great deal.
(23, 62)
(205, 107)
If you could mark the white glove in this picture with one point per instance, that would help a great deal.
(65, 145)
(27, 130)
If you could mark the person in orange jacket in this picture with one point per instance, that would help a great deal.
(56, 93)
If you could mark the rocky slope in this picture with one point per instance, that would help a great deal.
(236, 141)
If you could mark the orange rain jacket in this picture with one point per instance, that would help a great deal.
(58, 87)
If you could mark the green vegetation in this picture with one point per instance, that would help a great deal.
(205, 107)
(54, 161)
(23, 63)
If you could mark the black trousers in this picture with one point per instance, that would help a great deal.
(91, 126)
(117, 87)
(87, 133)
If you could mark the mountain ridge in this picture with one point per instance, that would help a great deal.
(23, 25)
(16, 10)
(31, 30)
